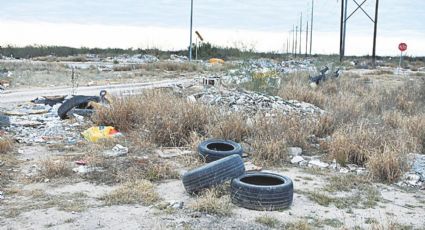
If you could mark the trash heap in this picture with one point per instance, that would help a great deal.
(251, 102)
(33, 123)
(416, 176)
(292, 66)
(136, 59)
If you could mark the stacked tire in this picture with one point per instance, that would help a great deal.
(257, 191)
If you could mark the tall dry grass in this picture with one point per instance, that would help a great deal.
(6, 144)
(159, 116)
(371, 124)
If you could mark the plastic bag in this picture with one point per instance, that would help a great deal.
(96, 133)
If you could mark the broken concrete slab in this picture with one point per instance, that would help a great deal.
(297, 159)
(295, 151)
(172, 152)
(318, 164)
(117, 151)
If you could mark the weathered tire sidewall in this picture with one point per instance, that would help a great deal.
(211, 155)
(213, 173)
(271, 197)
(74, 102)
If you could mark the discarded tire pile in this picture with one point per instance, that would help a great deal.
(257, 191)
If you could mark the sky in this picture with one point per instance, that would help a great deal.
(252, 24)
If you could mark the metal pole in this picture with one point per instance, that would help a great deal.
(306, 40)
(287, 45)
(345, 28)
(191, 23)
(311, 26)
(341, 54)
(293, 39)
(196, 50)
(399, 64)
(301, 26)
(296, 38)
(374, 34)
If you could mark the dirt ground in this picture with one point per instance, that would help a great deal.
(323, 199)
(73, 203)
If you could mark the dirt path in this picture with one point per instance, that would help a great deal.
(22, 95)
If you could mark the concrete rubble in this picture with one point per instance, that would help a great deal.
(136, 59)
(117, 151)
(297, 159)
(251, 102)
(416, 176)
(177, 58)
(31, 125)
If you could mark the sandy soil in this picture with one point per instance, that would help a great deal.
(395, 204)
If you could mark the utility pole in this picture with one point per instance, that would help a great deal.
(306, 40)
(293, 39)
(341, 52)
(374, 33)
(301, 26)
(311, 26)
(191, 23)
(296, 37)
(345, 27)
(287, 45)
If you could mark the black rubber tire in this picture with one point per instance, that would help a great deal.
(208, 152)
(75, 102)
(262, 191)
(81, 112)
(4, 120)
(213, 173)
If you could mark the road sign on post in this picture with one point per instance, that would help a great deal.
(402, 47)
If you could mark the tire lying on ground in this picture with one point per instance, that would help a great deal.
(81, 112)
(4, 120)
(79, 102)
(262, 191)
(214, 149)
(213, 173)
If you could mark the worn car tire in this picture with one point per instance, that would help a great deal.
(262, 191)
(75, 102)
(215, 149)
(81, 112)
(4, 120)
(213, 173)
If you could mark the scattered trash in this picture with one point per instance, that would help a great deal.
(251, 102)
(178, 58)
(249, 166)
(96, 133)
(49, 100)
(295, 151)
(81, 162)
(171, 152)
(83, 169)
(297, 160)
(1, 195)
(216, 61)
(117, 151)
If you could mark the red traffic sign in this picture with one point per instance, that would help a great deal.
(402, 46)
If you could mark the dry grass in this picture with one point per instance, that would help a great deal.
(51, 168)
(268, 221)
(374, 125)
(213, 201)
(167, 121)
(132, 192)
(6, 145)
